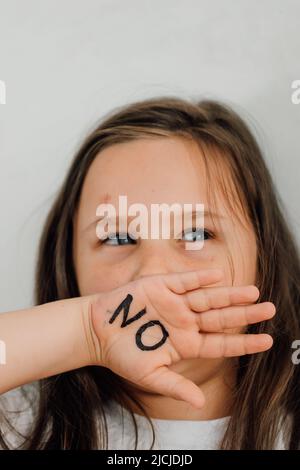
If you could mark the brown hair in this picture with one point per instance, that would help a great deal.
(268, 383)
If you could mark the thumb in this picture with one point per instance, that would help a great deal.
(169, 383)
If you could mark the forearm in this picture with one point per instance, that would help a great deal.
(46, 340)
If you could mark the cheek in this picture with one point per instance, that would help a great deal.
(209, 256)
(241, 266)
(94, 276)
(245, 271)
(217, 256)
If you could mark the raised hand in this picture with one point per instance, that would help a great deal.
(150, 323)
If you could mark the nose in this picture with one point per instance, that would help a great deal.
(159, 257)
(154, 258)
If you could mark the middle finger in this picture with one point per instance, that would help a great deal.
(203, 299)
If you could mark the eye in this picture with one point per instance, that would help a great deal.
(197, 234)
(117, 241)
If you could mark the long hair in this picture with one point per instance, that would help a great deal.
(267, 390)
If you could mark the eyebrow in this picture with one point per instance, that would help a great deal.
(194, 213)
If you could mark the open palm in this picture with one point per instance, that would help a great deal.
(148, 324)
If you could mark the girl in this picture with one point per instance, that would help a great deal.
(142, 343)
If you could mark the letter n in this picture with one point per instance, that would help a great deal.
(124, 305)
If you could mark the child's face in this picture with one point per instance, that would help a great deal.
(162, 170)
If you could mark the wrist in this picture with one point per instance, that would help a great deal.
(92, 353)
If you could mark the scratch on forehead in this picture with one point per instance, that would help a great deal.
(106, 198)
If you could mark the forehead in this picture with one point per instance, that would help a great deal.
(161, 170)
(152, 171)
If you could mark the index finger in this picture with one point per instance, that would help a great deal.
(190, 280)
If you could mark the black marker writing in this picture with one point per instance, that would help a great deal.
(124, 305)
(138, 336)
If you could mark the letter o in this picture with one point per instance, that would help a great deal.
(138, 336)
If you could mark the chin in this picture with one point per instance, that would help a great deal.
(198, 370)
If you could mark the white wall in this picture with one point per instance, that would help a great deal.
(65, 63)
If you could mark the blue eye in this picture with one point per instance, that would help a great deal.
(197, 234)
(114, 240)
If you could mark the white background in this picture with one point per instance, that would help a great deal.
(66, 63)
